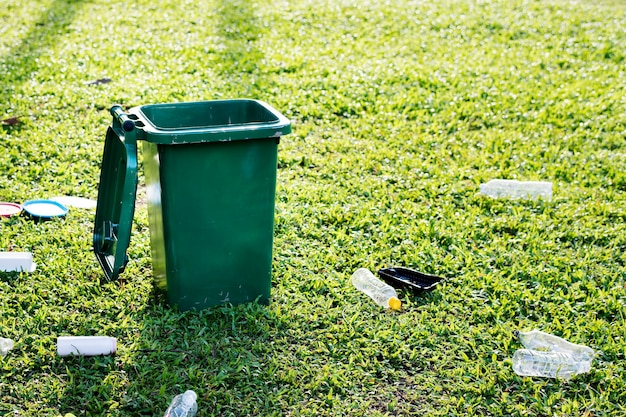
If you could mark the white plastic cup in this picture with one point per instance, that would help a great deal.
(86, 345)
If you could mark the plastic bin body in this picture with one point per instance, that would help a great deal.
(210, 170)
(211, 213)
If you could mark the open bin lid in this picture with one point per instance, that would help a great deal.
(116, 195)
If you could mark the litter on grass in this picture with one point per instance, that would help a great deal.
(533, 190)
(549, 356)
(99, 81)
(86, 345)
(76, 202)
(11, 121)
(9, 209)
(17, 262)
(44, 209)
(415, 280)
(5, 346)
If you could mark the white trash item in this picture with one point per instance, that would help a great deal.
(517, 189)
(86, 345)
(17, 262)
(77, 202)
(5, 346)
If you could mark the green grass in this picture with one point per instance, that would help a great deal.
(400, 109)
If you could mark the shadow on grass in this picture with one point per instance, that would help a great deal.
(163, 352)
(21, 62)
(17, 67)
(219, 352)
(240, 29)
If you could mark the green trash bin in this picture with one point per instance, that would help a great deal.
(210, 170)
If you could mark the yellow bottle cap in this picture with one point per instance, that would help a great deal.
(394, 303)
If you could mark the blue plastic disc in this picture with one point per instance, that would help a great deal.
(44, 209)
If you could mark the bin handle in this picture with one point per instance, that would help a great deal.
(122, 118)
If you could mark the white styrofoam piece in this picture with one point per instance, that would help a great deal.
(78, 202)
(16, 262)
(86, 345)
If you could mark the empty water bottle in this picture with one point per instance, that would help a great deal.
(5, 346)
(538, 340)
(183, 405)
(517, 189)
(550, 356)
(383, 294)
(544, 364)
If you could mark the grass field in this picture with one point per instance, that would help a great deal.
(399, 110)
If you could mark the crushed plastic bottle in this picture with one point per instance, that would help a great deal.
(383, 294)
(183, 405)
(5, 346)
(538, 340)
(550, 356)
(527, 362)
(517, 189)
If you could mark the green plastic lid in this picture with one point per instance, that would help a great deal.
(116, 195)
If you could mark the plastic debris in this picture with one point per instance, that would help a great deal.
(527, 362)
(383, 294)
(86, 345)
(409, 278)
(17, 262)
(44, 209)
(77, 202)
(9, 209)
(538, 340)
(99, 81)
(5, 346)
(550, 356)
(183, 405)
(517, 189)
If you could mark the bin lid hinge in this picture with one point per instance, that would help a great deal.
(109, 231)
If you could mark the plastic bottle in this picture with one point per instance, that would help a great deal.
(528, 362)
(383, 294)
(86, 345)
(183, 405)
(517, 189)
(538, 340)
(5, 346)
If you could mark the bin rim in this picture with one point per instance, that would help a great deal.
(151, 132)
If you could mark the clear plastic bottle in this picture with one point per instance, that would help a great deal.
(517, 189)
(528, 362)
(383, 294)
(538, 340)
(183, 405)
(5, 346)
